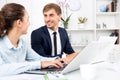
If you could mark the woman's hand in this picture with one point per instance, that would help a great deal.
(56, 63)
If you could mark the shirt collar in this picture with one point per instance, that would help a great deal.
(10, 45)
(51, 31)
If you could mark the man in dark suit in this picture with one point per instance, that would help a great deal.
(42, 40)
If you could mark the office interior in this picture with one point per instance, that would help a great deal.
(102, 20)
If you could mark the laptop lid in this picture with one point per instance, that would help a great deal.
(110, 39)
(90, 54)
(105, 53)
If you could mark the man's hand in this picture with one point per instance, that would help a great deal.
(70, 57)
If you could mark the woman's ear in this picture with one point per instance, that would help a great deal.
(19, 23)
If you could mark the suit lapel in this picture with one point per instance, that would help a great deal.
(48, 37)
(61, 37)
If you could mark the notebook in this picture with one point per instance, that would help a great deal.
(90, 54)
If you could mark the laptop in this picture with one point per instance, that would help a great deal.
(90, 54)
(110, 39)
(107, 40)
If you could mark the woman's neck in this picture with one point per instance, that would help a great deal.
(13, 37)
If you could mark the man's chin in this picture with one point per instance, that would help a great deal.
(49, 26)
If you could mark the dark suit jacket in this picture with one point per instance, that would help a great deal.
(41, 42)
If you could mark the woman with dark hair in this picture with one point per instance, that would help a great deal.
(15, 56)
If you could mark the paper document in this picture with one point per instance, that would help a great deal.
(35, 77)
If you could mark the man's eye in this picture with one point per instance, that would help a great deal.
(51, 15)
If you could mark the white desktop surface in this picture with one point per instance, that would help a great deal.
(105, 71)
(70, 76)
(75, 75)
(106, 75)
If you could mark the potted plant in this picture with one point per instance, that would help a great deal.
(66, 21)
(82, 20)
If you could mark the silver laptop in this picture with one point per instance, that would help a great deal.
(110, 39)
(90, 54)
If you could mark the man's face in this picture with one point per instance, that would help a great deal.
(51, 18)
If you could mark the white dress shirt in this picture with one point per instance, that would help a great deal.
(58, 41)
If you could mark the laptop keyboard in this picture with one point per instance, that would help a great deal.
(54, 70)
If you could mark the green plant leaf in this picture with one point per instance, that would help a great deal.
(68, 18)
(62, 19)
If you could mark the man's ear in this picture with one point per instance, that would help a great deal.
(60, 16)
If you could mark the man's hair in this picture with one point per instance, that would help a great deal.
(52, 6)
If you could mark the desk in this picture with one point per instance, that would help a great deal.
(75, 75)
(104, 71)
(70, 76)
(107, 72)
(104, 75)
